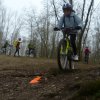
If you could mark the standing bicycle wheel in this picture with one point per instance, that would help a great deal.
(64, 55)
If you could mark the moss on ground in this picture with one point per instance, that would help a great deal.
(89, 90)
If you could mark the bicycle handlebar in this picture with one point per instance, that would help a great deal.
(68, 29)
(65, 29)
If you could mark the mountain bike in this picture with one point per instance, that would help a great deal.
(31, 54)
(65, 51)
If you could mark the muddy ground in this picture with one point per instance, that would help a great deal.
(16, 73)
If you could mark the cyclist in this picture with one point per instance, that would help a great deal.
(5, 46)
(31, 47)
(70, 20)
(17, 45)
(86, 53)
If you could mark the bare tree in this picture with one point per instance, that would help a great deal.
(84, 3)
(85, 26)
(71, 2)
(17, 26)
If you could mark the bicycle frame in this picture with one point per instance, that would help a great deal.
(68, 44)
(65, 51)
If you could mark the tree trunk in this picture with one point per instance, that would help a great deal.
(71, 2)
(82, 33)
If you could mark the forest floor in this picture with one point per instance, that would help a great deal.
(16, 73)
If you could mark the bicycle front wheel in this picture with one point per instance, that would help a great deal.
(64, 62)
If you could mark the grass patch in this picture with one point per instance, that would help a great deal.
(97, 96)
(89, 90)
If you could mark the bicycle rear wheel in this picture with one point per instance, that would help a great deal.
(64, 62)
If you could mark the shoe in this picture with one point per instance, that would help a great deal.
(76, 58)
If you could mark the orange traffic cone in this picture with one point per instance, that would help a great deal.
(35, 80)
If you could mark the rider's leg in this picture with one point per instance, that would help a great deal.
(18, 51)
(15, 52)
(73, 39)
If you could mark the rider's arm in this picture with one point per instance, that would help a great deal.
(60, 23)
(78, 21)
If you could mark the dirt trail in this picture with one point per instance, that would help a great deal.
(16, 73)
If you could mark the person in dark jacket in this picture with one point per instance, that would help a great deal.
(6, 44)
(86, 54)
(31, 48)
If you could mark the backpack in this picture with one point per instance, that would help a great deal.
(15, 43)
(64, 20)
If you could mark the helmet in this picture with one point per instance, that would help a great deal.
(19, 39)
(67, 6)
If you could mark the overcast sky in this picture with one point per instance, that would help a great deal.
(19, 5)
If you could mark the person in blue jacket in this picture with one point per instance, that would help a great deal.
(70, 20)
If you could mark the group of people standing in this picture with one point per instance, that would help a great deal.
(31, 48)
(17, 46)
